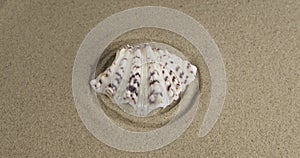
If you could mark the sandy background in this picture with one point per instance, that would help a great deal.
(259, 42)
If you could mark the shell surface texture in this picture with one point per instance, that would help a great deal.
(144, 77)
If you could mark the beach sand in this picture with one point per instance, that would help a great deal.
(259, 43)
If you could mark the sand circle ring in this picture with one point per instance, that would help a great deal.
(99, 38)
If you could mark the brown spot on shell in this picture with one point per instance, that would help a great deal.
(177, 86)
(136, 57)
(118, 80)
(112, 86)
(131, 77)
(188, 66)
(137, 74)
(181, 74)
(135, 81)
(136, 67)
(173, 79)
(118, 74)
(166, 78)
(169, 87)
(131, 88)
(154, 81)
(152, 73)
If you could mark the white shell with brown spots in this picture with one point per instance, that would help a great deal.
(145, 78)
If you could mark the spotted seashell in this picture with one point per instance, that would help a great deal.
(145, 78)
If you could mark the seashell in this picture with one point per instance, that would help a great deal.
(145, 78)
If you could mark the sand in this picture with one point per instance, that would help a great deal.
(259, 43)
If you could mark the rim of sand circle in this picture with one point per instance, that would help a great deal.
(124, 115)
(99, 38)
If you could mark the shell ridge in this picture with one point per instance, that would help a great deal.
(156, 91)
(115, 76)
(142, 102)
(102, 80)
(134, 80)
(119, 98)
(180, 67)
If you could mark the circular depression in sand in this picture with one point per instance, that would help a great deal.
(87, 103)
